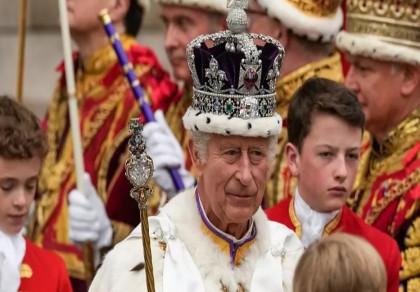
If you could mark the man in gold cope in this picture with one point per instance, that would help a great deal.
(382, 45)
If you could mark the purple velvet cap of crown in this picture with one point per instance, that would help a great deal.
(230, 63)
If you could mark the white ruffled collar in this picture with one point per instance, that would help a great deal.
(313, 222)
(12, 251)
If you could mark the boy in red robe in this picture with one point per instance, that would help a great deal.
(325, 127)
(23, 266)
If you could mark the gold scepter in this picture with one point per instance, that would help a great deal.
(139, 170)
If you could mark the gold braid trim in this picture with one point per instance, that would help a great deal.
(388, 159)
(410, 267)
(398, 188)
(410, 263)
(105, 163)
(329, 68)
(240, 288)
(294, 218)
(413, 285)
(110, 148)
(413, 233)
(54, 172)
(333, 224)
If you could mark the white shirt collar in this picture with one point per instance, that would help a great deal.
(313, 222)
(12, 251)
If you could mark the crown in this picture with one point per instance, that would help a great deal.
(394, 21)
(387, 30)
(233, 78)
(318, 20)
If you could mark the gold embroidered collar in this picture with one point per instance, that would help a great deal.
(102, 60)
(91, 71)
(329, 68)
(405, 135)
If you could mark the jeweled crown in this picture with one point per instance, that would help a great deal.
(232, 75)
(393, 21)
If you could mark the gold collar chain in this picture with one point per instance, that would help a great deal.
(405, 135)
(329, 68)
(91, 71)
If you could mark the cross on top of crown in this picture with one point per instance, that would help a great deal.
(241, 4)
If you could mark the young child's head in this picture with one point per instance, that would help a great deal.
(325, 127)
(340, 262)
(22, 149)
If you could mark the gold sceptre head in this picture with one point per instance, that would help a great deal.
(139, 170)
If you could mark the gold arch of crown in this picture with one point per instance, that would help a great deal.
(318, 8)
(394, 21)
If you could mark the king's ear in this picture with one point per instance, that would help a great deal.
(411, 79)
(293, 157)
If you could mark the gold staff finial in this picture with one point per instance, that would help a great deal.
(139, 170)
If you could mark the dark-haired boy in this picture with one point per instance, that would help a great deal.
(325, 126)
(22, 149)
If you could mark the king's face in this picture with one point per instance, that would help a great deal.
(233, 178)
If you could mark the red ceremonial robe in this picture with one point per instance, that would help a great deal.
(42, 270)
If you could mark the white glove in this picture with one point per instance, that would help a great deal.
(166, 152)
(88, 218)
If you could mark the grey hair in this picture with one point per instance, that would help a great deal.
(201, 141)
(272, 147)
(395, 67)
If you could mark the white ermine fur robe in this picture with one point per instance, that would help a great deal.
(192, 262)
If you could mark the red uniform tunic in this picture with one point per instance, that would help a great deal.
(387, 193)
(42, 271)
(348, 222)
(106, 105)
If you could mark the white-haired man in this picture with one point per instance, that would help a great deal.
(216, 237)
(382, 45)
